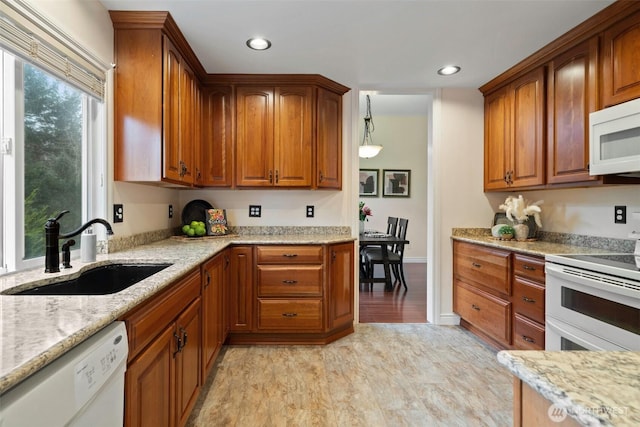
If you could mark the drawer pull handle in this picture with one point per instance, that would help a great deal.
(289, 314)
(528, 339)
(178, 344)
(527, 267)
(289, 282)
(476, 265)
(527, 299)
(475, 307)
(290, 255)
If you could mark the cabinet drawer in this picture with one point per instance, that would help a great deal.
(529, 267)
(300, 280)
(290, 254)
(527, 335)
(528, 299)
(292, 315)
(145, 323)
(486, 312)
(485, 266)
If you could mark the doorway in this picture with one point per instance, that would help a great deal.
(401, 126)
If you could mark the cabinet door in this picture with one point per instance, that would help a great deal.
(340, 294)
(171, 114)
(241, 289)
(329, 140)
(497, 139)
(527, 130)
(293, 133)
(212, 311)
(188, 361)
(217, 137)
(621, 62)
(254, 137)
(149, 398)
(571, 96)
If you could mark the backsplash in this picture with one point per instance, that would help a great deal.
(122, 243)
(608, 244)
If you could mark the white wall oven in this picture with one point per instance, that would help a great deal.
(592, 302)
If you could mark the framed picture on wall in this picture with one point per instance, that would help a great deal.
(369, 182)
(395, 182)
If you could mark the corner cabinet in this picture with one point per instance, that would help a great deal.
(291, 294)
(329, 140)
(499, 295)
(156, 96)
(514, 134)
(620, 62)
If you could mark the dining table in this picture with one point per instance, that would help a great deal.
(384, 241)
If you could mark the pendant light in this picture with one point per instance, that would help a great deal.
(368, 150)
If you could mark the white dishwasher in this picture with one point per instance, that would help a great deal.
(84, 387)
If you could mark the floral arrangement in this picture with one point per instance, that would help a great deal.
(519, 209)
(364, 212)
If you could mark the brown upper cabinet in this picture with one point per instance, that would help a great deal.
(514, 134)
(621, 61)
(177, 125)
(537, 112)
(571, 95)
(274, 136)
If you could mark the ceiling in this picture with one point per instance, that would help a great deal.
(390, 45)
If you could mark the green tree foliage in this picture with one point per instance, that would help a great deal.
(53, 156)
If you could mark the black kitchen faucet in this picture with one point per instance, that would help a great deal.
(52, 236)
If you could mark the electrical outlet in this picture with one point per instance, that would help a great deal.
(255, 211)
(170, 211)
(310, 210)
(620, 216)
(118, 213)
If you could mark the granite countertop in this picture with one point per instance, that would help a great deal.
(38, 329)
(597, 388)
(549, 243)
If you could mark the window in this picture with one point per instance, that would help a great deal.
(47, 148)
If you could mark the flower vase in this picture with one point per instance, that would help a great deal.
(521, 231)
(361, 227)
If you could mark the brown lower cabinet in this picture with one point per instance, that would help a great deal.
(163, 375)
(499, 295)
(251, 294)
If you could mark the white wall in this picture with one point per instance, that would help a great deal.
(458, 199)
(404, 139)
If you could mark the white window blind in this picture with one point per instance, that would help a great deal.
(26, 33)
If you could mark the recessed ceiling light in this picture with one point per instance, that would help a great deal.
(258, 43)
(448, 70)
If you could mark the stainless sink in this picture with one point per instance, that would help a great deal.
(101, 280)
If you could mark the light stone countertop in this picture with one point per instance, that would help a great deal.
(596, 388)
(556, 244)
(35, 330)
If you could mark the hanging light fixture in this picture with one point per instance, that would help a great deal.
(368, 150)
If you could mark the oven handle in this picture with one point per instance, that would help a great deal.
(571, 333)
(598, 281)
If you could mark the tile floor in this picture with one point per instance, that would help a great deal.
(382, 375)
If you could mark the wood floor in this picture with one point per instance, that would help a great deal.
(399, 305)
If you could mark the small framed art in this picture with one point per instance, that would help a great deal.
(396, 182)
(369, 182)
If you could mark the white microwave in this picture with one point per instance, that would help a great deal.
(614, 140)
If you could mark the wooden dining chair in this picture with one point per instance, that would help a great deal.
(373, 256)
(392, 224)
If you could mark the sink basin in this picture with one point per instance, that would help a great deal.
(101, 280)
